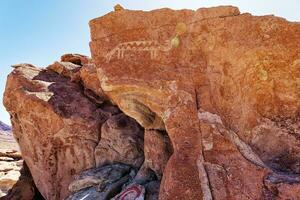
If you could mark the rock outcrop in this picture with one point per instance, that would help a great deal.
(196, 104)
(24, 188)
(242, 68)
(10, 160)
(9, 172)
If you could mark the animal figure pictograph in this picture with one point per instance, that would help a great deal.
(138, 46)
(151, 46)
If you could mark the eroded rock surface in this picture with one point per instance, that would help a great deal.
(240, 67)
(121, 142)
(10, 160)
(99, 176)
(222, 86)
(101, 183)
(157, 149)
(56, 125)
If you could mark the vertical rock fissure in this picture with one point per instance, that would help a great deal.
(203, 175)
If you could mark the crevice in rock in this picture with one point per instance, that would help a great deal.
(202, 171)
(157, 147)
(204, 179)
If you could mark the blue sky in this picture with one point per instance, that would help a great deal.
(39, 32)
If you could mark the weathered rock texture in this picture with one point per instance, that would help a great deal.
(121, 142)
(243, 68)
(222, 86)
(10, 160)
(55, 123)
(10, 165)
(100, 183)
(157, 150)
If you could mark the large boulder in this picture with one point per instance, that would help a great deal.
(100, 183)
(55, 124)
(222, 86)
(242, 68)
(99, 177)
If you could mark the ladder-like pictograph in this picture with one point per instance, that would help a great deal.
(135, 46)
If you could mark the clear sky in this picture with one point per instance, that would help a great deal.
(39, 32)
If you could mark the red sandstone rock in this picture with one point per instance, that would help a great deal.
(121, 142)
(57, 127)
(88, 76)
(66, 69)
(225, 90)
(157, 149)
(241, 67)
(75, 59)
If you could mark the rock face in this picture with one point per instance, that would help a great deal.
(158, 150)
(56, 125)
(242, 68)
(215, 94)
(121, 142)
(51, 119)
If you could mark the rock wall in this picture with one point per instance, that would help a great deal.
(212, 103)
(164, 67)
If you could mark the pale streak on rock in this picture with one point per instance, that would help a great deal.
(205, 188)
(216, 121)
(45, 96)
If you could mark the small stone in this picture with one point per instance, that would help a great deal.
(118, 7)
(6, 159)
(101, 176)
(88, 194)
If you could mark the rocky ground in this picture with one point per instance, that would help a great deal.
(10, 160)
(172, 105)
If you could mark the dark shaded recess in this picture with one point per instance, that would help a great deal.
(71, 99)
(287, 161)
